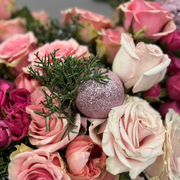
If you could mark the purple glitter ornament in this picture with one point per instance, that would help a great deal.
(173, 6)
(95, 100)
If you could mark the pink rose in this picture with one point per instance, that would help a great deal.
(3, 88)
(9, 83)
(50, 140)
(7, 8)
(109, 42)
(153, 93)
(92, 22)
(139, 67)
(27, 163)
(174, 66)
(18, 123)
(143, 14)
(164, 108)
(26, 81)
(172, 40)
(133, 137)
(5, 134)
(14, 51)
(41, 16)
(86, 160)
(68, 47)
(173, 87)
(167, 166)
(11, 27)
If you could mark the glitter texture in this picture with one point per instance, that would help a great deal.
(173, 6)
(95, 100)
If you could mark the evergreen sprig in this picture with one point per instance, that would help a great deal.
(63, 77)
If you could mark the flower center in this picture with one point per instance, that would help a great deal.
(95, 152)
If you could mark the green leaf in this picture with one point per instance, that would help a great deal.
(121, 17)
(176, 53)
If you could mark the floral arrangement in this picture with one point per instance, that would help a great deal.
(88, 97)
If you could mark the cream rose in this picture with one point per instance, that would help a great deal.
(139, 66)
(167, 166)
(133, 137)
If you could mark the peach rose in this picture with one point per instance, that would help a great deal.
(147, 17)
(14, 51)
(68, 47)
(139, 67)
(41, 16)
(11, 27)
(92, 22)
(167, 166)
(27, 163)
(86, 160)
(26, 81)
(7, 8)
(109, 42)
(52, 139)
(133, 137)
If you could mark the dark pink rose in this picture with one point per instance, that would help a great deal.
(153, 93)
(174, 66)
(26, 81)
(163, 109)
(3, 89)
(156, 21)
(5, 134)
(173, 87)
(173, 40)
(18, 123)
(10, 84)
(20, 96)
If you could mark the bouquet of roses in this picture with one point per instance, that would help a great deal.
(90, 98)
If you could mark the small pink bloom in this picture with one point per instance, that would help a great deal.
(16, 58)
(36, 164)
(109, 42)
(139, 66)
(172, 40)
(69, 47)
(86, 160)
(164, 108)
(173, 87)
(5, 134)
(11, 27)
(50, 140)
(9, 83)
(143, 14)
(18, 123)
(3, 88)
(7, 8)
(133, 137)
(153, 93)
(41, 16)
(26, 81)
(92, 22)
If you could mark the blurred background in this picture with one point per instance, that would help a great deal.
(53, 7)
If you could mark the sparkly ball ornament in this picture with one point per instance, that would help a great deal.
(95, 100)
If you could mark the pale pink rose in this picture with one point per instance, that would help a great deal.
(7, 8)
(27, 163)
(109, 42)
(139, 66)
(11, 27)
(133, 137)
(69, 47)
(14, 51)
(92, 22)
(86, 160)
(26, 81)
(50, 140)
(41, 16)
(143, 14)
(167, 166)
